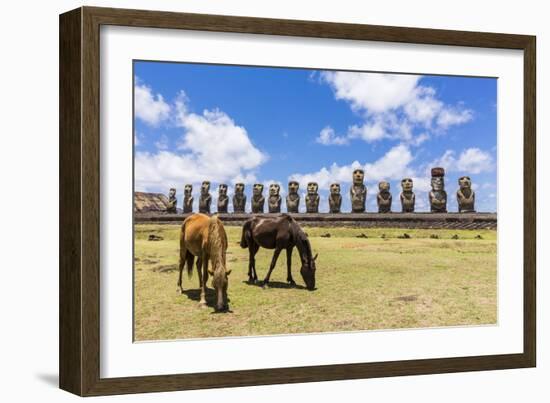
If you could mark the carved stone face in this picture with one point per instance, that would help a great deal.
(312, 187)
(239, 188)
(274, 189)
(172, 193)
(222, 189)
(188, 190)
(293, 187)
(205, 187)
(358, 176)
(438, 183)
(258, 189)
(384, 186)
(465, 182)
(407, 184)
(335, 188)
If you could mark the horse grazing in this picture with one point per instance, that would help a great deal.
(278, 233)
(205, 238)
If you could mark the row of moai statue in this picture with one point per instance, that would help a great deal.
(358, 195)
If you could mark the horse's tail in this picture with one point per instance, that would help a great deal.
(246, 230)
(185, 255)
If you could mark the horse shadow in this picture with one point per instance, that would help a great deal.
(194, 294)
(276, 284)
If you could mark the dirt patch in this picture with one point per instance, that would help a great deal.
(167, 268)
(407, 298)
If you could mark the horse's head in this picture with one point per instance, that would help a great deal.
(308, 272)
(220, 281)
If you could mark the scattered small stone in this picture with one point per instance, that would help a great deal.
(434, 236)
(383, 236)
(404, 236)
(165, 268)
(479, 237)
(361, 235)
(455, 236)
(153, 237)
(327, 235)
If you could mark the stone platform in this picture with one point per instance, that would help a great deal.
(364, 220)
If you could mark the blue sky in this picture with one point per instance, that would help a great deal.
(255, 124)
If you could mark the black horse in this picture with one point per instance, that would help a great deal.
(278, 233)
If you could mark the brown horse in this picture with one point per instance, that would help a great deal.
(205, 238)
(278, 233)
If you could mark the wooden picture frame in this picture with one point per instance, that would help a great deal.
(79, 317)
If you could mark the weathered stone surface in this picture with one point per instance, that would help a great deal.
(384, 197)
(150, 202)
(172, 206)
(438, 195)
(293, 198)
(465, 196)
(239, 198)
(358, 192)
(335, 198)
(312, 198)
(359, 220)
(205, 199)
(223, 199)
(258, 199)
(407, 196)
(274, 199)
(188, 199)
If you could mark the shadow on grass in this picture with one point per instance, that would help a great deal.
(195, 295)
(275, 284)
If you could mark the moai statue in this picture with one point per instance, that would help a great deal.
(205, 199)
(358, 192)
(335, 198)
(465, 196)
(274, 200)
(407, 196)
(223, 199)
(384, 198)
(258, 198)
(172, 202)
(239, 198)
(438, 196)
(293, 198)
(312, 198)
(188, 199)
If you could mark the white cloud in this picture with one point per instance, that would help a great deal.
(162, 144)
(373, 92)
(393, 165)
(392, 106)
(327, 136)
(212, 147)
(148, 107)
(472, 161)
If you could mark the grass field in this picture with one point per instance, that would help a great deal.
(378, 282)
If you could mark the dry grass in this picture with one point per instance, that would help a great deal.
(362, 283)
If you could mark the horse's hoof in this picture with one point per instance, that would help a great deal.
(265, 285)
(202, 304)
(291, 282)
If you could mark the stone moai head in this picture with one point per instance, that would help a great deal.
(358, 177)
(384, 186)
(239, 188)
(293, 187)
(335, 189)
(407, 184)
(222, 189)
(465, 182)
(274, 189)
(258, 189)
(438, 179)
(205, 187)
(172, 193)
(312, 188)
(188, 190)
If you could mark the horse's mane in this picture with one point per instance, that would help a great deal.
(300, 238)
(217, 239)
